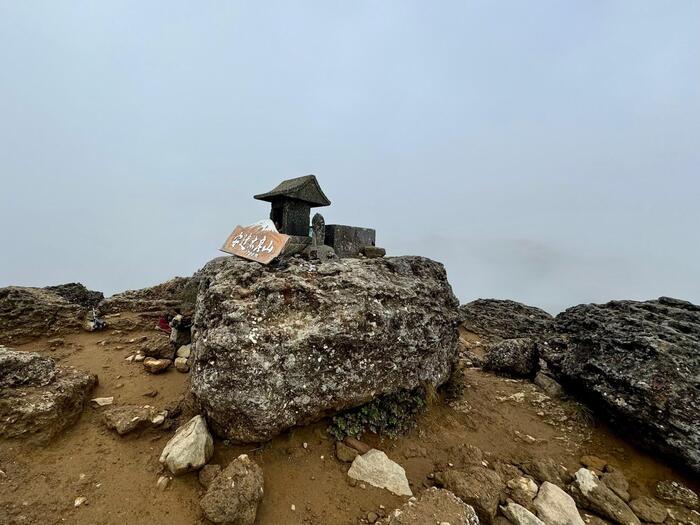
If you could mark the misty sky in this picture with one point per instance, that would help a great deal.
(545, 151)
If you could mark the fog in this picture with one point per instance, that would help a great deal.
(547, 152)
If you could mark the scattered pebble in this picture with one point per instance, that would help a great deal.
(80, 500)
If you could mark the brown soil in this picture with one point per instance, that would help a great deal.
(508, 419)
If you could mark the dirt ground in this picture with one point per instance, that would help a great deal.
(507, 419)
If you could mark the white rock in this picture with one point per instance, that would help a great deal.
(103, 401)
(556, 507)
(524, 484)
(519, 515)
(190, 448)
(184, 351)
(378, 470)
(139, 358)
(80, 500)
(181, 365)
(163, 482)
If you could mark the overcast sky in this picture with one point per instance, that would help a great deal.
(545, 151)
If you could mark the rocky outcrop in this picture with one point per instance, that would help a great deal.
(233, 496)
(636, 363)
(177, 293)
(38, 400)
(77, 293)
(27, 313)
(592, 494)
(433, 506)
(278, 346)
(497, 319)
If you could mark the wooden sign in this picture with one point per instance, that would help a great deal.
(258, 242)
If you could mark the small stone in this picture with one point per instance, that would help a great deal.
(293, 507)
(139, 358)
(372, 517)
(156, 366)
(233, 496)
(375, 468)
(358, 445)
(190, 448)
(102, 401)
(594, 463)
(372, 252)
(163, 482)
(345, 453)
(519, 515)
(127, 418)
(158, 420)
(151, 393)
(184, 351)
(80, 500)
(181, 365)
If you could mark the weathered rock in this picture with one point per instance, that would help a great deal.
(279, 346)
(636, 363)
(677, 493)
(163, 482)
(177, 293)
(27, 313)
(593, 462)
(378, 470)
(682, 516)
(19, 368)
(591, 493)
(102, 401)
(519, 515)
(512, 357)
(522, 491)
(345, 453)
(156, 366)
(77, 293)
(159, 347)
(190, 448)
(615, 480)
(233, 496)
(546, 470)
(477, 486)
(501, 319)
(649, 510)
(465, 455)
(184, 351)
(434, 506)
(549, 385)
(208, 473)
(40, 400)
(556, 507)
(373, 251)
(124, 419)
(181, 365)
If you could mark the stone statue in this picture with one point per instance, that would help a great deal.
(318, 229)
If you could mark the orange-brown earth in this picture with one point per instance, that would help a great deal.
(507, 419)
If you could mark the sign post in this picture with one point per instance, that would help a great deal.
(259, 242)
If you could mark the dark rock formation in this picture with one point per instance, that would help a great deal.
(38, 400)
(512, 357)
(27, 313)
(77, 293)
(502, 319)
(637, 363)
(278, 346)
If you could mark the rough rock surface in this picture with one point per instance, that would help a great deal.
(177, 293)
(519, 515)
(38, 400)
(77, 293)
(279, 346)
(233, 496)
(124, 419)
(375, 468)
(593, 494)
(636, 363)
(190, 448)
(556, 507)
(512, 357)
(434, 506)
(477, 486)
(546, 470)
(649, 510)
(677, 493)
(502, 319)
(27, 313)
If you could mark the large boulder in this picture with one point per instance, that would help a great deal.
(27, 313)
(496, 319)
(38, 400)
(636, 363)
(433, 506)
(278, 346)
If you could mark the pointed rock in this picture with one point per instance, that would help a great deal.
(375, 468)
(190, 448)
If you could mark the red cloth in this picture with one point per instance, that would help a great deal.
(163, 325)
